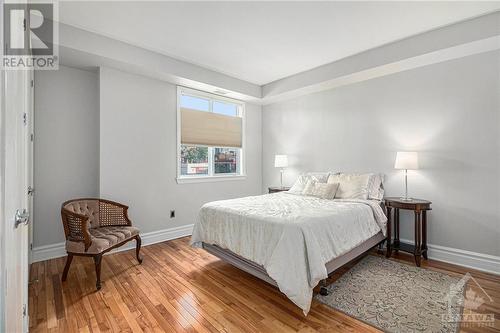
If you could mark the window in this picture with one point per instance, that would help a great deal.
(226, 161)
(210, 137)
(194, 160)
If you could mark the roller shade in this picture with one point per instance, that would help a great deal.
(210, 129)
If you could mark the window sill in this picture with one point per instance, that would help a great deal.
(209, 179)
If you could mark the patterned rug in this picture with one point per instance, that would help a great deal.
(397, 297)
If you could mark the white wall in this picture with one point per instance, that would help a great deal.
(66, 148)
(138, 153)
(113, 135)
(449, 112)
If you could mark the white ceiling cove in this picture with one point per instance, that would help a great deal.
(261, 42)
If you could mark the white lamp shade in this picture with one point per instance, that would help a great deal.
(406, 160)
(280, 161)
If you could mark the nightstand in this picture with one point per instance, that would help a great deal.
(274, 189)
(419, 208)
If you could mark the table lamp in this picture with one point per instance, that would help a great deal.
(407, 160)
(281, 161)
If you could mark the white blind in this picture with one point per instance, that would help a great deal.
(210, 129)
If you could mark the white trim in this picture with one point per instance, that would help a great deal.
(58, 250)
(208, 179)
(208, 95)
(211, 177)
(481, 262)
(3, 148)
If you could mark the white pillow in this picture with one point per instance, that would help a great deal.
(300, 183)
(352, 186)
(320, 190)
(376, 186)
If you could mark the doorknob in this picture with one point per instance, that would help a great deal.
(22, 217)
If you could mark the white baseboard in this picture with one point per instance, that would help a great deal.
(481, 262)
(58, 250)
(46, 252)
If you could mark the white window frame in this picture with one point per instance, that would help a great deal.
(211, 177)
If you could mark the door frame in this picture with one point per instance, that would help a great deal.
(2, 184)
(31, 163)
(2, 195)
(15, 176)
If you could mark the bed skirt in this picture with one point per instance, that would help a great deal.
(260, 272)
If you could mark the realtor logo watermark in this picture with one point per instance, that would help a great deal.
(30, 36)
(470, 316)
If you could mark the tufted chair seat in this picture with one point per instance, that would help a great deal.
(102, 239)
(94, 227)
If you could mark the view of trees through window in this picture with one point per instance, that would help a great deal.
(195, 160)
(226, 160)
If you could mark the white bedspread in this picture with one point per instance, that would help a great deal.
(291, 236)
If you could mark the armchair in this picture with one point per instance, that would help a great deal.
(94, 227)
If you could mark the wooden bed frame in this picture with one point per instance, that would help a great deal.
(260, 272)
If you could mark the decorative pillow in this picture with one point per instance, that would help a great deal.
(376, 186)
(300, 183)
(352, 186)
(320, 190)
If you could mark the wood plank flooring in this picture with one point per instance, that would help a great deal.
(181, 289)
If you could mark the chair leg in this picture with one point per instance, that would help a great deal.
(69, 259)
(138, 248)
(97, 262)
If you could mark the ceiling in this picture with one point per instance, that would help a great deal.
(261, 42)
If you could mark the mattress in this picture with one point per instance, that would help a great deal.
(292, 237)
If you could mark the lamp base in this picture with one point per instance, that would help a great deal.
(281, 177)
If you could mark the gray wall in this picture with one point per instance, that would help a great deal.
(138, 153)
(66, 148)
(449, 112)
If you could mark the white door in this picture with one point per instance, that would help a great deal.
(15, 150)
(16, 177)
(31, 164)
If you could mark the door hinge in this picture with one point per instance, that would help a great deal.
(31, 246)
(32, 137)
(31, 190)
(25, 308)
(32, 83)
(25, 118)
(24, 24)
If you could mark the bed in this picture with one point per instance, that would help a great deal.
(288, 240)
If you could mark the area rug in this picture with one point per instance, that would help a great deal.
(397, 297)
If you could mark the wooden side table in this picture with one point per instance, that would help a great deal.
(420, 208)
(274, 189)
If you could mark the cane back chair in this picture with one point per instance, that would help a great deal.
(93, 227)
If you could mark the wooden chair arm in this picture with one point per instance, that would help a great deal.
(76, 227)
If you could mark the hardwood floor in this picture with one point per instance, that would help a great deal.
(181, 289)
